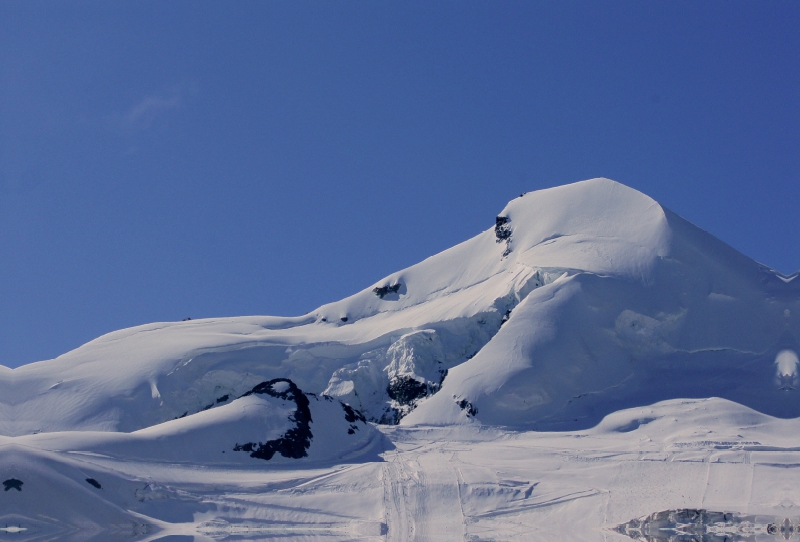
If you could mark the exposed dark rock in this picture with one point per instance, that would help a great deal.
(467, 406)
(505, 317)
(382, 291)
(216, 402)
(343, 318)
(296, 441)
(405, 389)
(502, 231)
(13, 483)
(186, 319)
(391, 416)
(93, 482)
(406, 392)
(351, 414)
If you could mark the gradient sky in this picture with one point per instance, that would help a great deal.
(160, 160)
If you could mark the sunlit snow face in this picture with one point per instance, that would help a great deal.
(786, 373)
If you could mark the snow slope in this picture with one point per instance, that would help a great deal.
(587, 309)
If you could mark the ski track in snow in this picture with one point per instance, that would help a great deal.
(466, 483)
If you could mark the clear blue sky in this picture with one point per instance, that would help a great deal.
(160, 160)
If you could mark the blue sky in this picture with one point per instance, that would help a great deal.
(160, 160)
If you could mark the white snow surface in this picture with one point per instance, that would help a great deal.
(591, 359)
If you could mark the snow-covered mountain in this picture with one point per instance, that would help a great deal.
(581, 300)
(580, 304)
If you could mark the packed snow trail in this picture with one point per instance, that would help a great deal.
(423, 498)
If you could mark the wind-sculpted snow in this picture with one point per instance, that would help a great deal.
(586, 309)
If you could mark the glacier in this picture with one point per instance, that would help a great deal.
(589, 365)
